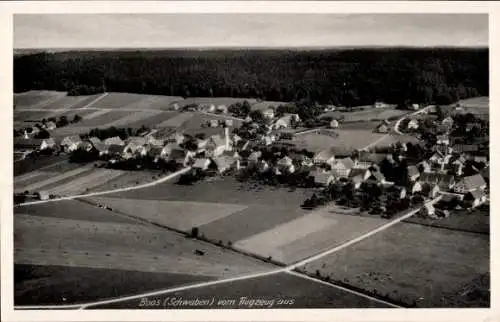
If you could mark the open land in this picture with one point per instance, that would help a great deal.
(419, 265)
(286, 290)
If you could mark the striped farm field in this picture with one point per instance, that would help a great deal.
(39, 185)
(103, 117)
(86, 181)
(347, 139)
(395, 263)
(133, 117)
(180, 215)
(135, 101)
(215, 100)
(308, 235)
(30, 116)
(37, 99)
(154, 120)
(177, 121)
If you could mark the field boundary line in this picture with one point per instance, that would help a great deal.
(97, 99)
(307, 277)
(98, 193)
(360, 238)
(286, 269)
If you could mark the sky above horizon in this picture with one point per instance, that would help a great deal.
(33, 31)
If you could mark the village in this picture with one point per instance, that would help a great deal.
(448, 164)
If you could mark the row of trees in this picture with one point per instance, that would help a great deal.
(122, 133)
(339, 77)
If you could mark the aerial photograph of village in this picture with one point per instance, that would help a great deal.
(206, 168)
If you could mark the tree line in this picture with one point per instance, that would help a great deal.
(339, 77)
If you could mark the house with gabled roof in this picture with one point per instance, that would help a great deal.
(49, 143)
(470, 183)
(50, 125)
(412, 124)
(367, 159)
(254, 157)
(322, 178)
(443, 139)
(430, 177)
(155, 152)
(180, 156)
(115, 140)
(342, 167)
(324, 157)
(376, 177)
(448, 122)
(358, 176)
(414, 187)
(222, 163)
(465, 148)
(446, 182)
(413, 173)
(424, 167)
(71, 143)
(115, 150)
(201, 163)
(268, 113)
(382, 127)
(286, 121)
(285, 164)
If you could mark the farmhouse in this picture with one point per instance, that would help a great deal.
(222, 109)
(412, 124)
(115, 150)
(379, 104)
(49, 143)
(102, 148)
(201, 164)
(114, 141)
(71, 143)
(424, 166)
(254, 156)
(94, 140)
(358, 176)
(155, 153)
(415, 107)
(286, 121)
(342, 167)
(382, 128)
(152, 141)
(439, 159)
(457, 167)
(217, 144)
(223, 163)
(334, 124)
(268, 113)
(470, 183)
(50, 125)
(322, 178)
(228, 123)
(413, 173)
(180, 156)
(446, 182)
(442, 140)
(414, 187)
(447, 122)
(376, 177)
(285, 164)
(474, 198)
(430, 178)
(213, 123)
(366, 159)
(324, 157)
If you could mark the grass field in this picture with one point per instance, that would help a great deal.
(136, 101)
(177, 120)
(347, 140)
(49, 284)
(77, 242)
(308, 235)
(294, 292)
(154, 120)
(36, 99)
(265, 105)
(31, 164)
(180, 215)
(411, 263)
(369, 114)
(214, 100)
(254, 219)
(128, 179)
(478, 221)
(365, 125)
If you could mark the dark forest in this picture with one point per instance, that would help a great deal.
(340, 77)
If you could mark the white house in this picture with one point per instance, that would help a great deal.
(285, 164)
(268, 113)
(412, 124)
(334, 124)
(71, 143)
(201, 164)
(326, 157)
